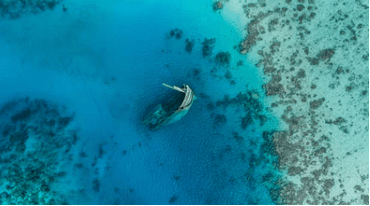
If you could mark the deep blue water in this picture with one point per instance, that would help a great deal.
(105, 62)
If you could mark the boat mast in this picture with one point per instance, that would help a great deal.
(174, 88)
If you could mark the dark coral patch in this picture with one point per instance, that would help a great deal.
(13, 9)
(207, 46)
(223, 58)
(173, 199)
(217, 6)
(316, 103)
(176, 33)
(189, 44)
(326, 54)
(273, 89)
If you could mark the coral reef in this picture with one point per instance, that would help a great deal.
(223, 58)
(251, 105)
(175, 33)
(217, 6)
(189, 45)
(317, 72)
(207, 46)
(13, 9)
(35, 141)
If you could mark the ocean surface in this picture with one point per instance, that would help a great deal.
(78, 77)
(82, 75)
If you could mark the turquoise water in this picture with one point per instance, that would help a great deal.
(102, 64)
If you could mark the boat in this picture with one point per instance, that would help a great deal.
(173, 109)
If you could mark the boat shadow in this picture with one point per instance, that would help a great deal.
(161, 110)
